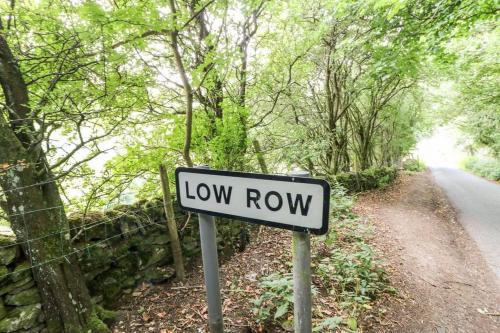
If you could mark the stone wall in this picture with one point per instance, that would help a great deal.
(117, 250)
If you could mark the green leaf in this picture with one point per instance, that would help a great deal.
(352, 324)
(282, 309)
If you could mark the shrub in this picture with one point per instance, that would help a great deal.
(484, 167)
(413, 165)
(353, 275)
(349, 268)
(366, 179)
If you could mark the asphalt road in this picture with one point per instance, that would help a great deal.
(477, 202)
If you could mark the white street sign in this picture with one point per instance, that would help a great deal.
(295, 203)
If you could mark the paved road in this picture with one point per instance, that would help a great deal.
(477, 202)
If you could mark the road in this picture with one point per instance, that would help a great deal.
(477, 202)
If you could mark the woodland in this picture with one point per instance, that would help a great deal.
(96, 95)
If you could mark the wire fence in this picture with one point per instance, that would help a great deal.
(83, 226)
(74, 239)
(27, 186)
(47, 181)
(23, 213)
(66, 255)
(62, 232)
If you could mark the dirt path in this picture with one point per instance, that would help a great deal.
(444, 283)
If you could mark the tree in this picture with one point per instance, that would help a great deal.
(31, 194)
(474, 73)
(55, 85)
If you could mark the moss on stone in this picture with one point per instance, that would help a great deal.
(96, 325)
(6, 240)
(107, 316)
(22, 271)
(3, 273)
(22, 317)
(8, 254)
(25, 297)
(17, 286)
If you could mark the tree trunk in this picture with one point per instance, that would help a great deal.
(175, 244)
(36, 210)
(188, 90)
(260, 157)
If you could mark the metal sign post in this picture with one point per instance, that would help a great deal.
(295, 202)
(302, 276)
(211, 270)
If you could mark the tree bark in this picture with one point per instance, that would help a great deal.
(36, 210)
(188, 90)
(260, 157)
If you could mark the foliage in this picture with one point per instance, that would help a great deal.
(483, 166)
(367, 179)
(414, 165)
(275, 304)
(108, 90)
(227, 148)
(340, 203)
(334, 86)
(328, 325)
(349, 270)
(345, 267)
(353, 275)
(472, 77)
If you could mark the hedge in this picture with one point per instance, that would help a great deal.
(367, 179)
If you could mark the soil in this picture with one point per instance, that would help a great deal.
(443, 283)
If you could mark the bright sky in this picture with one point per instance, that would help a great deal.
(442, 148)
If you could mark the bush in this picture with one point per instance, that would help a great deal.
(484, 167)
(413, 165)
(367, 179)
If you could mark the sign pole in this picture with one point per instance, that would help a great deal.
(302, 276)
(211, 270)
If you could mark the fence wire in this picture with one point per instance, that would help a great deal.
(83, 227)
(65, 256)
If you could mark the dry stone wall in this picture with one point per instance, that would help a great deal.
(117, 250)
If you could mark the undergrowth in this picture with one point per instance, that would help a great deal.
(484, 167)
(414, 165)
(347, 275)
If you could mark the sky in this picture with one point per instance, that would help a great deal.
(441, 148)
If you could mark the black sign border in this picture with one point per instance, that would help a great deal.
(326, 199)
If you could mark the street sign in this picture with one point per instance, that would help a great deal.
(288, 202)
